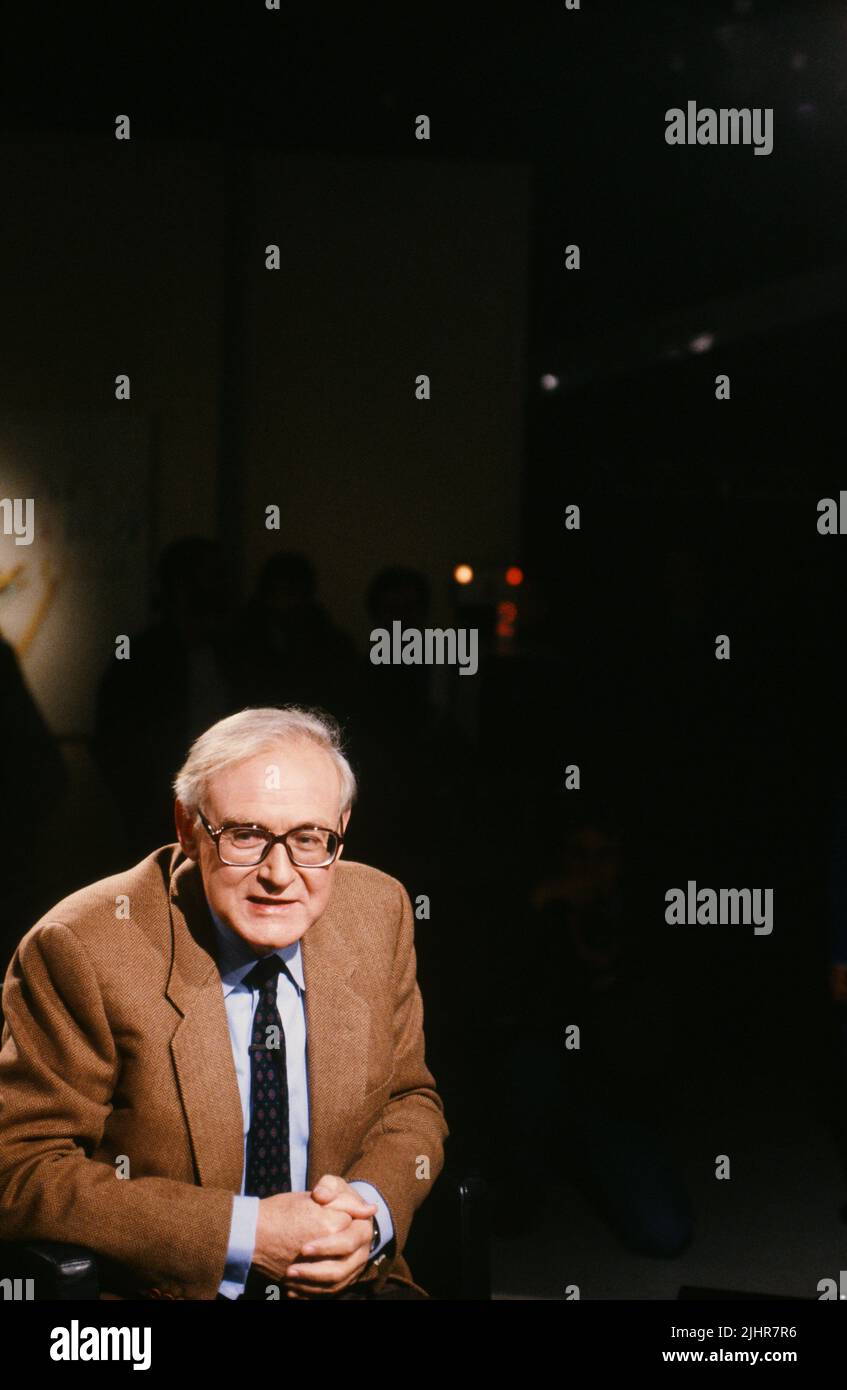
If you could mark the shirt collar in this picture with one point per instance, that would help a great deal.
(236, 957)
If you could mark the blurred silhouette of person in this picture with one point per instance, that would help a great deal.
(420, 821)
(32, 776)
(578, 1109)
(409, 749)
(291, 651)
(177, 681)
(399, 594)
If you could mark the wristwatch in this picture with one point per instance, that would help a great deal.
(375, 1241)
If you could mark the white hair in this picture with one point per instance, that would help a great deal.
(253, 731)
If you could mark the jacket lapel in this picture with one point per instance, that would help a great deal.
(201, 1047)
(337, 1028)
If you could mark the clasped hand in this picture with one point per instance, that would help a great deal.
(330, 1261)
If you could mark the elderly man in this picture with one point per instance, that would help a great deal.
(212, 1068)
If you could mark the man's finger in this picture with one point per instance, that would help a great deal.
(330, 1183)
(326, 1196)
(345, 1242)
(352, 1204)
(309, 1270)
(318, 1275)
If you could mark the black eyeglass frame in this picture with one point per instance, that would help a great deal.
(270, 840)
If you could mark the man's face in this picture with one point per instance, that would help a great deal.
(274, 903)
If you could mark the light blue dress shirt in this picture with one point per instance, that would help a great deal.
(235, 960)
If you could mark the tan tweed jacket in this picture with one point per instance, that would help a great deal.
(115, 1043)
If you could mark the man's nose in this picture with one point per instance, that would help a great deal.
(277, 866)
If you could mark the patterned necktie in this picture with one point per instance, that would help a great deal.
(268, 1150)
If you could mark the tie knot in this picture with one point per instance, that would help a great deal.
(266, 969)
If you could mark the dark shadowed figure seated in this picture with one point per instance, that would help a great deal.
(290, 650)
(176, 681)
(420, 821)
(582, 1113)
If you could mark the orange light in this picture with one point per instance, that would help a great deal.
(463, 574)
(514, 576)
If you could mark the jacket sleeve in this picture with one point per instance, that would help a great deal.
(403, 1151)
(58, 1069)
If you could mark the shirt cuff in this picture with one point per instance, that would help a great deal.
(383, 1215)
(242, 1243)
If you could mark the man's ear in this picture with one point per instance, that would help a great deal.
(186, 830)
(344, 819)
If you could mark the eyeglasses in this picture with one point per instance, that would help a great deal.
(307, 846)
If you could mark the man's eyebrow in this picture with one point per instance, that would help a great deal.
(257, 825)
